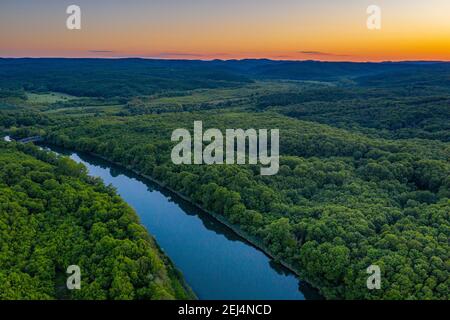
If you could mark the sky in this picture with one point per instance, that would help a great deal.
(329, 30)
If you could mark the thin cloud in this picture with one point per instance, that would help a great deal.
(101, 51)
(319, 53)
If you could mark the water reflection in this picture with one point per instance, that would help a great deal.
(216, 262)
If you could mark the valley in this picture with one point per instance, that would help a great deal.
(364, 155)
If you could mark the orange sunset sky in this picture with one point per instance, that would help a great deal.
(332, 30)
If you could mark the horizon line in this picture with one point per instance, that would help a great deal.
(228, 60)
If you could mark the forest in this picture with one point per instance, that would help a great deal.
(52, 215)
(364, 175)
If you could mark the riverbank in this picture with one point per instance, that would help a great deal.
(177, 273)
(118, 258)
(254, 242)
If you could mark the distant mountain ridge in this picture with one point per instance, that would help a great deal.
(134, 76)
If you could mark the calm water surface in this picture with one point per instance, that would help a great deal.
(215, 262)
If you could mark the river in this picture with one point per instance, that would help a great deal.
(216, 263)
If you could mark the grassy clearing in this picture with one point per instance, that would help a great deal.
(87, 110)
(222, 94)
(47, 98)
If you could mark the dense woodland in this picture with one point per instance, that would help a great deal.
(52, 215)
(365, 148)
